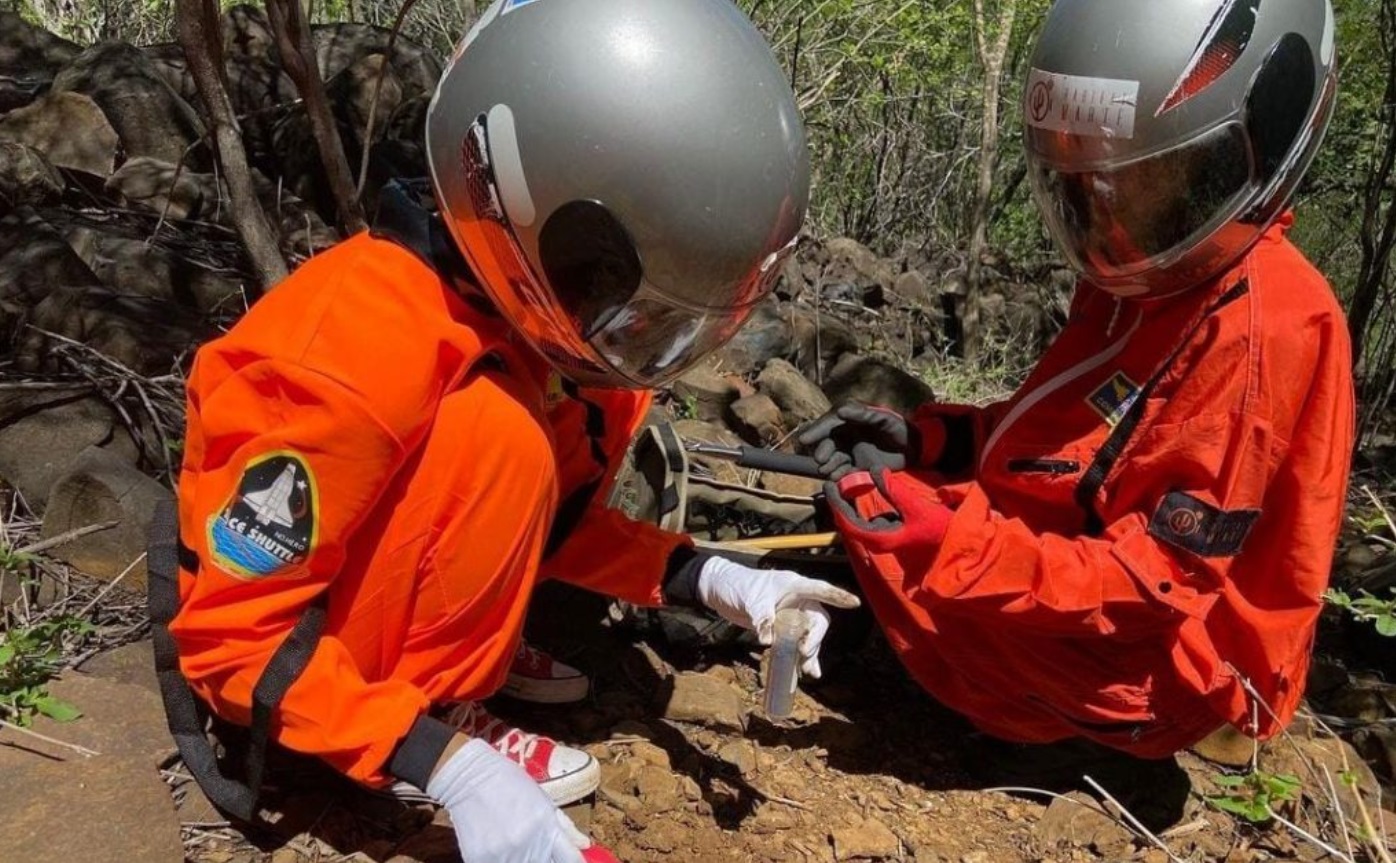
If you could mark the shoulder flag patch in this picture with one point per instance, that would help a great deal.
(1113, 400)
(269, 523)
(1196, 526)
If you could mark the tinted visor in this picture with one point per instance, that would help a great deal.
(1120, 221)
(591, 311)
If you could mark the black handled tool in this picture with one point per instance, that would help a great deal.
(758, 459)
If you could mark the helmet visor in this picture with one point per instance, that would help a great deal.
(1119, 221)
(589, 308)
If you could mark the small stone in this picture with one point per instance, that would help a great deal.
(773, 819)
(1075, 821)
(650, 754)
(758, 418)
(1226, 746)
(285, 855)
(741, 754)
(913, 288)
(43, 435)
(975, 857)
(703, 393)
(870, 840)
(800, 400)
(658, 788)
(703, 700)
(26, 177)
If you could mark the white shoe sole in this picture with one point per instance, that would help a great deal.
(534, 691)
(563, 790)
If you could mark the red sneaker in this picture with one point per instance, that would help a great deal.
(566, 774)
(538, 678)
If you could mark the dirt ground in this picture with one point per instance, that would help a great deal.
(867, 768)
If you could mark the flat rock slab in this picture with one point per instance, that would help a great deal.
(132, 664)
(118, 720)
(97, 810)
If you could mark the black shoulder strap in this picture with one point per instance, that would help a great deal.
(183, 713)
(1109, 454)
(407, 215)
(571, 510)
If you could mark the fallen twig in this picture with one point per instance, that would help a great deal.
(1134, 822)
(65, 537)
(81, 750)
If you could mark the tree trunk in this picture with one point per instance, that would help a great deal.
(201, 37)
(298, 59)
(991, 57)
(1377, 234)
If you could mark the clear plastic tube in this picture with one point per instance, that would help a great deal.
(783, 663)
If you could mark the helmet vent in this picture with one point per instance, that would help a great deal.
(1218, 50)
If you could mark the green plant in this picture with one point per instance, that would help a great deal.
(29, 657)
(1252, 796)
(687, 408)
(1381, 613)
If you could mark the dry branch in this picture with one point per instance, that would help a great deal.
(292, 32)
(201, 37)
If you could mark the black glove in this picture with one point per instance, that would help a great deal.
(861, 437)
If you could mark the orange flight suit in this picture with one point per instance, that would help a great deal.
(1148, 520)
(367, 434)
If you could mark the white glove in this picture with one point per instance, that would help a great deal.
(500, 814)
(750, 599)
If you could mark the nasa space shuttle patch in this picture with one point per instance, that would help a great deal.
(268, 525)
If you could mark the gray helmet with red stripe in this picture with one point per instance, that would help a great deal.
(625, 177)
(1164, 138)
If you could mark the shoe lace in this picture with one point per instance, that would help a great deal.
(513, 743)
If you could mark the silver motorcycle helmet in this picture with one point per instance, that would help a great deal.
(625, 177)
(1163, 138)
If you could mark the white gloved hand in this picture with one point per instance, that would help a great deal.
(750, 599)
(500, 814)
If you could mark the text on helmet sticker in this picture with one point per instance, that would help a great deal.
(268, 525)
(1090, 107)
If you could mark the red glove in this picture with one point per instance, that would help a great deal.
(597, 854)
(885, 511)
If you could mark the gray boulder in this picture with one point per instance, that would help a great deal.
(131, 266)
(26, 177)
(42, 433)
(876, 382)
(150, 117)
(69, 129)
(101, 488)
(339, 46)
(799, 399)
(29, 50)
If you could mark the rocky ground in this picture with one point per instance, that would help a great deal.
(117, 258)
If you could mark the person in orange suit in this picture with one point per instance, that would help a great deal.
(1133, 549)
(389, 451)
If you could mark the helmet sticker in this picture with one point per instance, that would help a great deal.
(268, 525)
(1090, 107)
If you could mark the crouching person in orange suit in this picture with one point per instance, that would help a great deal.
(1133, 549)
(388, 452)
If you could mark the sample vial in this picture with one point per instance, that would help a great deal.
(783, 663)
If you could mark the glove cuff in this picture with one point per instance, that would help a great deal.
(681, 575)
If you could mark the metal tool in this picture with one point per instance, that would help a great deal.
(758, 459)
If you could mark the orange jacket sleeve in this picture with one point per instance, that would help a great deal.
(607, 552)
(232, 621)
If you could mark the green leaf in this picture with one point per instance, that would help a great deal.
(56, 709)
(7, 654)
(1230, 781)
(1386, 625)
